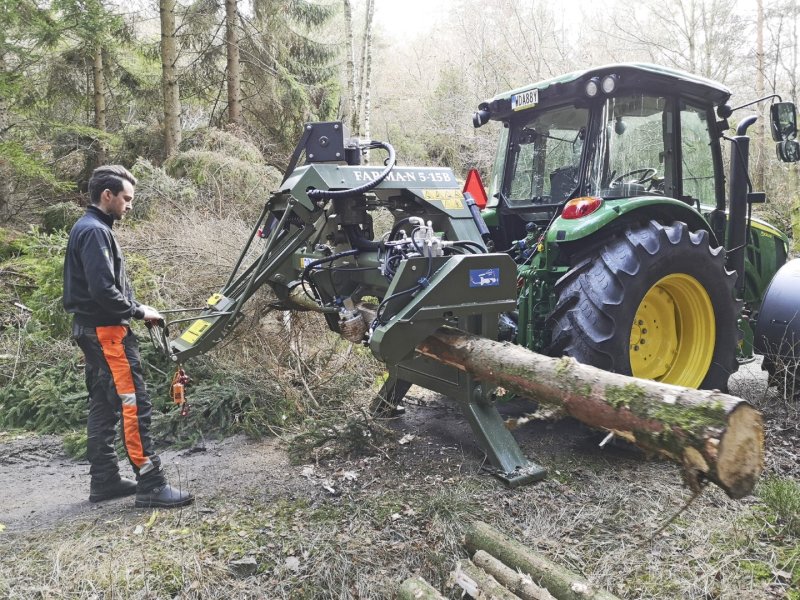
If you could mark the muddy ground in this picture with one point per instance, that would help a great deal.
(594, 513)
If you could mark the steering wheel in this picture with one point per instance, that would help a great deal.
(646, 174)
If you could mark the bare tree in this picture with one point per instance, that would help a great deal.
(350, 91)
(169, 78)
(366, 57)
(234, 71)
(99, 100)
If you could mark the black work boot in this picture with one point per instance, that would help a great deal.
(111, 489)
(164, 496)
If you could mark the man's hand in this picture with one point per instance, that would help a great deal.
(151, 315)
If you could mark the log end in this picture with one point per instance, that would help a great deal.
(741, 452)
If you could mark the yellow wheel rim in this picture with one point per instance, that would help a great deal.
(673, 332)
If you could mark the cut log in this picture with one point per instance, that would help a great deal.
(714, 436)
(416, 588)
(478, 584)
(560, 582)
(521, 584)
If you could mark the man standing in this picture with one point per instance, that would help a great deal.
(99, 296)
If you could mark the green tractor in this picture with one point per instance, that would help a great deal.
(608, 189)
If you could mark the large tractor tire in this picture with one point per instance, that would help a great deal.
(655, 302)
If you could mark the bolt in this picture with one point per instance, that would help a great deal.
(644, 331)
(636, 348)
(641, 342)
(640, 322)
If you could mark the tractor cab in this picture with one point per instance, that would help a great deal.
(612, 133)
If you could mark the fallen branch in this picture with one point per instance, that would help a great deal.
(714, 436)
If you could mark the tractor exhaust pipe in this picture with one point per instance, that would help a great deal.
(736, 237)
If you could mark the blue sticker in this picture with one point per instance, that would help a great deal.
(484, 277)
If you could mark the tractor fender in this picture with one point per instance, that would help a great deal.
(777, 332)
(624, 210)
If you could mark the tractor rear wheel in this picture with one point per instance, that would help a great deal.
(654, 302)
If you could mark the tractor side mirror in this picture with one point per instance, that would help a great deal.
(783, 121)
(788, 150)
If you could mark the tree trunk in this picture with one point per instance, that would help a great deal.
(478, 584)
(368, 71)
(350, 94)
(416, 588)
(99, 102)
(169, 79)
(714, 436)
(520, 583)
(234, 72)
(560, 582)
(362, 71)
(760, 134)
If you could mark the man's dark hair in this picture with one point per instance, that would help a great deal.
(108, 177)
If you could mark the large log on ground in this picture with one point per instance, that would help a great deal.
(714, 436)
(560, 582)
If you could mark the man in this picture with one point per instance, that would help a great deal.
(99, 296)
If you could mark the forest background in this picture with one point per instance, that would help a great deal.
(204, 101)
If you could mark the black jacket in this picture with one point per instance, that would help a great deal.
(96, 288)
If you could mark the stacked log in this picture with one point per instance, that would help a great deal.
(503, 569)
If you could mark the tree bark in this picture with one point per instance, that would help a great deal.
(350, 95)
(368, 71)
(416, 588)
(714, 436)
(560, 582)
(759, 146)
(478, 584)
(99, 101)
(169, 79)
(357, 113)
(234, 71)
(520, 583)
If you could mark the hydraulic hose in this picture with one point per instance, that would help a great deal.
(317, 194)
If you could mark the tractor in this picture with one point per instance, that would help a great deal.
(608, 189)
(604, 236)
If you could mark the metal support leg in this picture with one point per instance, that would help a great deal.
(388, 401)
(508, 463)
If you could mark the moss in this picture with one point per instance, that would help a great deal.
(627, 396)
(61, 217)
(563, 367)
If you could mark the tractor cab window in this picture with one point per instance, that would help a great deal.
(544, 156)
(632, 156)
(697, 159)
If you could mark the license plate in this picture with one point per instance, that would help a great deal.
(525, 100)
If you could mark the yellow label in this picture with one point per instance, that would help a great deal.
(213, 300)
(194, 332)
(451, 199)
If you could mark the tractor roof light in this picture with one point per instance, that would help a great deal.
(592, 87)
(581, 207)
(609, 83)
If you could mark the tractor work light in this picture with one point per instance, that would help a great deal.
(592, 87)
(609, 83)
(580, 207)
